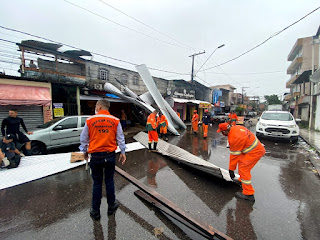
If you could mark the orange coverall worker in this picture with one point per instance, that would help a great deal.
(232, 119)
(195, 120)
(151, 127)
(245, 151)
(163, 123)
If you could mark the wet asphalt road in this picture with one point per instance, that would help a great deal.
(287, 198)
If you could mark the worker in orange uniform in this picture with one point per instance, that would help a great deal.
(195, 120)
(151, 127)
(245, 151)
(178, 114)
(101, 135)
(232, 118)
(163, 124)
(205, 123)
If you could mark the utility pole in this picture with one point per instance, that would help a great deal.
(193, 55)
(242, 93)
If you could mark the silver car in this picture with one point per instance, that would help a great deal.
(60, 132)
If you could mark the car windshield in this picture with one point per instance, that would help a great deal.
(277, 116)
(48, 124)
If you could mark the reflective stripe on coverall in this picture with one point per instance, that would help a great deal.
(152, 128)
(195, 120)
(245, 151)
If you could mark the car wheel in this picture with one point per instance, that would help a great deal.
(294, 140)
(38, 148)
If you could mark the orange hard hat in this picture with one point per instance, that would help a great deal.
(206, 110)
(223, 127)
(195, 111)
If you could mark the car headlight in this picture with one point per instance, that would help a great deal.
(292, 126)
(263, 124)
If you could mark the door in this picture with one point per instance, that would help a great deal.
(66, 132)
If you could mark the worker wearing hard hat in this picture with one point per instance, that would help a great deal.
(245, 151)
(205, 123)
(195, 120)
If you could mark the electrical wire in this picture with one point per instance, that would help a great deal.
(272, 36)
(146, 25)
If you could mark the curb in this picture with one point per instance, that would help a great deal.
(313, 156)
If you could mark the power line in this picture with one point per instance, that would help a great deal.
(121, 25)
(146, 25)
(272, 36)
(115, 59)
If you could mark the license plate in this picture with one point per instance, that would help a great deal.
(276, 134)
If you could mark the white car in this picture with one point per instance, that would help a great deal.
(60, 132)
(278, 125)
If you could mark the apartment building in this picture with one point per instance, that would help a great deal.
(304, 58)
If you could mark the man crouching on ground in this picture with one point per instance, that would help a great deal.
(100, 137)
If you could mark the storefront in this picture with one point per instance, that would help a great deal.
(186, 107)
(31, 99)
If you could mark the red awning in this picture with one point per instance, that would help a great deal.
(24, 95)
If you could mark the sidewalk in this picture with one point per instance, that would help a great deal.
(313, 139)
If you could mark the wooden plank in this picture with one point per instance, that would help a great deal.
(206, 229)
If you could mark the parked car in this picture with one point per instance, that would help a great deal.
(278, 125)
(60, 132)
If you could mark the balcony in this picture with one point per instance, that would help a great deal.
(295, 49)
(291, 80)
(288, 97)
(294, 65)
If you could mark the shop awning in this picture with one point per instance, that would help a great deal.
(97, 98)
(24, 95)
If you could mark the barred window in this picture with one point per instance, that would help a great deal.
(103, 74)
(124, 78)
(135, 80)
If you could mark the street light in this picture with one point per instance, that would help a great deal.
(209, 57)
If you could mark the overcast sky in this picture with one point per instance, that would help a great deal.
(175, 30)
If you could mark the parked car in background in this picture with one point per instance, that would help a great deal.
(60, 132)
(278, 125)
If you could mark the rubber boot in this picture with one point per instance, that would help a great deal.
(155, 147)
(166, 137)
(149, 144)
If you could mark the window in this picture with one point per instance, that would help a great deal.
(69, 123)
(103, 74)
(124, 78)
(83, 121)
(277, 116)
(135, 80)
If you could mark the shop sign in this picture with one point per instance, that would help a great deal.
(47, 114)
(184, 94)
(217, 104)
(58, 109)
(205, 105)
(222, 104)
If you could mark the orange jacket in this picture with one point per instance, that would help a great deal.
(195, 118)
(232, 117)
(241, 142)
(152, 123)
(162, 121)
(102, 132)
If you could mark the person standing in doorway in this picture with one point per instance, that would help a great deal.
(195, 121)
(245, 151)
(205, 123)
(99, 138)
(11, 125)
(151, 128)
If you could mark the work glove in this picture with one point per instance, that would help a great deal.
(22, 155)
(6, 162)
(232, 176)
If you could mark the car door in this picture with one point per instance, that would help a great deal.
(66, 132)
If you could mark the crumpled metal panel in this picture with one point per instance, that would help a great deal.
(185, 157)
(161, 103)
(147, 98)
(114, 90)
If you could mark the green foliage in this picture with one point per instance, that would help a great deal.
(239, 110)
(272, 99)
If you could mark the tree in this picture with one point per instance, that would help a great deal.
(272, 99)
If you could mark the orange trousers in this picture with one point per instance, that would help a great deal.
(195, 126)
(153, 136)
(205, 130)
(245, 164)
